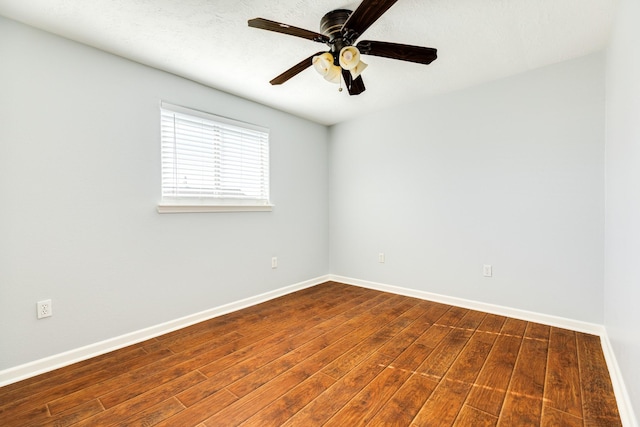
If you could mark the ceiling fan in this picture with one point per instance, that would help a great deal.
(339, 29)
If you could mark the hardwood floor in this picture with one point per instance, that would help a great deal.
(333, 355)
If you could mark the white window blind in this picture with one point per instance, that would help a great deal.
(212, 160)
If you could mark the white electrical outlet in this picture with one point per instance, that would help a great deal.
(486, 270)
(45, 309)
(274, 262)
(381, 257)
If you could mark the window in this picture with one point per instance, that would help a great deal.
(212, 163)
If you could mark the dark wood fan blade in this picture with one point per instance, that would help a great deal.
(366, 14)
(403, 52)
(265, 24)
(295, 70)
(354, 86)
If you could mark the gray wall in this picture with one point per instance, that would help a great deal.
(79, 185)
(622, 254)
(508, 173)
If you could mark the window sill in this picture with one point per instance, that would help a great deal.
(169, 208)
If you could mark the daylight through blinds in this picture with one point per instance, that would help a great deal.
(212, 158)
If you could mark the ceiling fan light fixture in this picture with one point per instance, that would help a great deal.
(324, 65)
(334, 74)
(349, 57)
(358, 69)
(350, 60)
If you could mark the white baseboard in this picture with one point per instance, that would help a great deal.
(31, 369)
(624, 401)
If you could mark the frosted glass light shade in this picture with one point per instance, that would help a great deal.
(349, 57)
(324, 65)
(358, 69)
(350, 60)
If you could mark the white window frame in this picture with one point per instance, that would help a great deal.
(206, 200)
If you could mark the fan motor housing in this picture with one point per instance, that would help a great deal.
(331, 25)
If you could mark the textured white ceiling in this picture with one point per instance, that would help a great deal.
(208, 41)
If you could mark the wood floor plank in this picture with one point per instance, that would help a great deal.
(467, 365)
(315, 310)
(334, 341)
(229, 332)
(235, 366)
(452, 316)
(252, 402)
(537, 331)
(600, 407)
(36, 413)
(334, 355)
(321, 409)
(392, 323)
(430, 313)
(329, 298)
(154, 415)
(443, 404)
(472, 320)
(135, 389)
(139, 362)
(552, 417)
(73, 415)
(405, 403)
(440, 359)
(492, 323)
(34, 407)
(447, 399)
(200, 411)
(143, 401)
(30, 388)
(523, 402)
(65, 378)
(472, 417)
(247, 406)
(515, 327)
(202, 355)
(562, 387)
(491, 385)
(279, 411)
(363, 406)
(129, 384)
